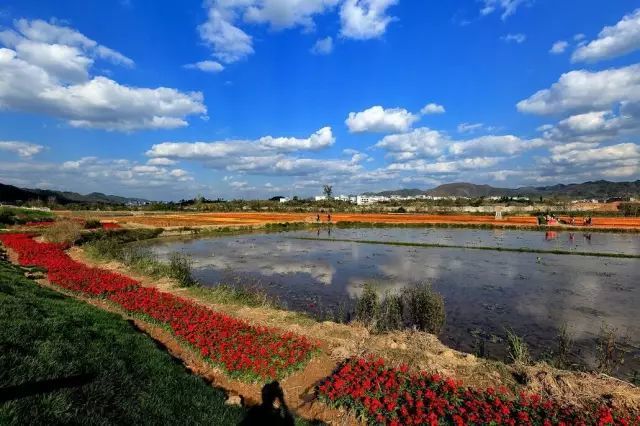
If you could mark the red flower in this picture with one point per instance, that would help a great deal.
(243, 350)
(420, 398)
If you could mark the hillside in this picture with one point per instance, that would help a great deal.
(401, 192)
(470, 190)
(13, 194)
(592, 189)
(595, 189)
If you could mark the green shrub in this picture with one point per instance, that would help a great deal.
(611, 349)
(92, 224)
(342, 314)
(7, 217)
(517, 349)
(120, 236)
(64, 231)
(17, 216)
(142, 259)
(390, 313)
(424, 308)
(561, 358)
(180, 269)
(629, 209)
(367, 306)
(105, 249)
(418, 307)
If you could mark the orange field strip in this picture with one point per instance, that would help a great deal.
(256, 219)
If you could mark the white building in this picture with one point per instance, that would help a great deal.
(370, 199)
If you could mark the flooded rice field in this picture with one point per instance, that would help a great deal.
(485, 291)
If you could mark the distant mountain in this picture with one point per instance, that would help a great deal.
(464, 189)
(400, 192)
(595, 189)
(12, 194)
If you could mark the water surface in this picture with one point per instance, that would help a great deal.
(485, 291)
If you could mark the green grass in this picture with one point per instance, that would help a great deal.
(507, 249)
(115, 246)
(225, 294)
(16, 215)
(44, 336)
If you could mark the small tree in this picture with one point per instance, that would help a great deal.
(328, 191)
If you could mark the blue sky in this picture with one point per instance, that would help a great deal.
(256, 98)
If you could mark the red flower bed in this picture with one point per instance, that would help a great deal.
(255, 353)
(391, 396)
(110, 225)
(242, 349)
(62, 270)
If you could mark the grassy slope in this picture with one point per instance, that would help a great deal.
(44, 335)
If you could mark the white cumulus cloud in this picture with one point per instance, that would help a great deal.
(282, 14)
(559, 47)
(40, 74)
(23, 149)
(365, 19)
(323, 138)
(324, 46)
(267, 155)
(379, 119)
(445, 167)
(491, 144)
(223, 30)
(206, 66)
(422, 142)
(584, 91)
(507, 7)
(160, 161)
(228, 42)
(518, 38)
(432, 108)
(469, 127)
(617, 40)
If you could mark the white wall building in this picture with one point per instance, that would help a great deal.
(370, 199)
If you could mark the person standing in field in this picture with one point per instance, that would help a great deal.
(329, 217)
